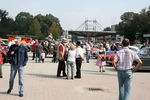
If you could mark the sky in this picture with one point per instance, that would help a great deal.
(72, 13)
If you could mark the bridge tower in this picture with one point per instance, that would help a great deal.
(90, 25)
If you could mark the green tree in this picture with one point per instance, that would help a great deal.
(48, 25)
(133, 23)
(55, 30)
(35, 29)
(6, 24)
(23, 20)
(107, 29)
(128, 26)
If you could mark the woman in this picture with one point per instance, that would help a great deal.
(101, 58)
(71, 61)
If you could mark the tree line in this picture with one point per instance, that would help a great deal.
(39, 26)
(134, 25)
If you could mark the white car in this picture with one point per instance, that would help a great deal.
(134, 48)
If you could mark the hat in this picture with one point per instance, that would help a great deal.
(78, 43)
(64, 40)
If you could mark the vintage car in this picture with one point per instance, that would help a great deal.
(110, 55)
(93, 52)
(144, 55)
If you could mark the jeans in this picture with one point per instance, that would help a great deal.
(125, 80)
(70, 67)
(14, 69)
(38, 57)
(88, 54)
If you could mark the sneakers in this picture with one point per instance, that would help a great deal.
(20, 95)
(77, 77)
(9, 91)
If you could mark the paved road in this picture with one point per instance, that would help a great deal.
(41, 84)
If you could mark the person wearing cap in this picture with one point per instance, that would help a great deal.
(61, 56)
(19, 58)
(79, 59)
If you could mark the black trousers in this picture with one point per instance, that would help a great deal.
(54, 57)
(78, 67)
(33, 55)
(61, 67)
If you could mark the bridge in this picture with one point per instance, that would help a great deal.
(92, 29)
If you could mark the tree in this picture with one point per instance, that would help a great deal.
(6, 24)
(107, 29)
(55, 30)
(48, 25)
(23, 20)
(35, 29)
(128, 26)
(133, 24)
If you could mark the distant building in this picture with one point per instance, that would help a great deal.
(113, 27)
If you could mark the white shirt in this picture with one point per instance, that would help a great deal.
(88, 47)
(71, 55)
(79, 52)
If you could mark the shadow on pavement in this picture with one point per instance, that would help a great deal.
(3, 92)
(98, 73)
(143, 71)
(44, 75)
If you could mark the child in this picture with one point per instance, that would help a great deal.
(71, 61)
(101, 58)
(42, 55)
(1, 63)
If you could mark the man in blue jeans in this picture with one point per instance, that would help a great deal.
(123, 64)
(19, 57)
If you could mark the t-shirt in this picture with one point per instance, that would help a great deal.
(39, 47)
(79, 52)
(71, 55)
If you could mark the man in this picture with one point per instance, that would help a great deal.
(61, 56)
(55, 47)
(19, 58)
(79, 58)
(123, 64)
(34, 48)
(38, 50)
(88, 54)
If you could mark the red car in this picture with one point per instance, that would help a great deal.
(110, 55)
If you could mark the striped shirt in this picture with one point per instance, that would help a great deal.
(125, 58)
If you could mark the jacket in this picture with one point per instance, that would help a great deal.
(20, 56)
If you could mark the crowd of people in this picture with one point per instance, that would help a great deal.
(71, 54)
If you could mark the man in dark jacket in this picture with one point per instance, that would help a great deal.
(19, 58)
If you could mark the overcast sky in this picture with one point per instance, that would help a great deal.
(72, 13)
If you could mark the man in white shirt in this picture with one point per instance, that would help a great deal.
(88, 54)
(79, 58)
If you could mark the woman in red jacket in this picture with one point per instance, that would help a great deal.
(1, 63)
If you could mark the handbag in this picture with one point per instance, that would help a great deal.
(103, 59)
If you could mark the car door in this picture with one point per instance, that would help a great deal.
(146, 57)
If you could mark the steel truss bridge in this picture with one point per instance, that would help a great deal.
(91, 28)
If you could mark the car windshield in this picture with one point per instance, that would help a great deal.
(145, 52)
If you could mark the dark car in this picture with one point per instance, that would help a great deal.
(144, 55)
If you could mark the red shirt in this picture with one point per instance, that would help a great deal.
(1, 59)
(34, 46)
(62, 48)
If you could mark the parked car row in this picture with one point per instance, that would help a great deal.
(143, 53)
